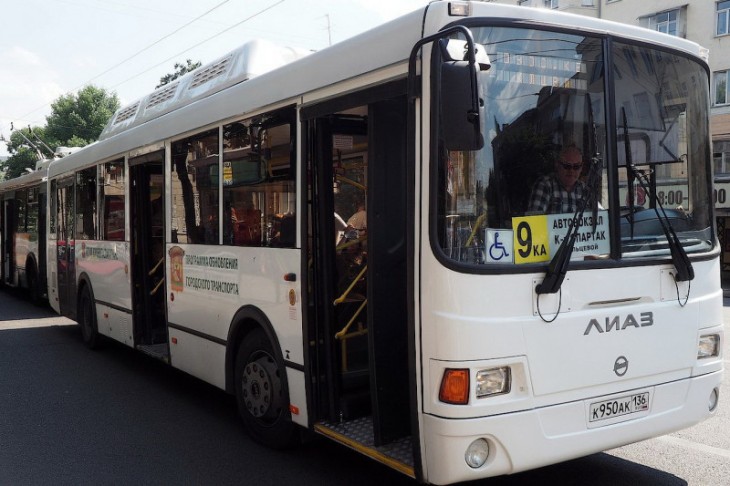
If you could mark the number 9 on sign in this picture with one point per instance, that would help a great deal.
(531, 241)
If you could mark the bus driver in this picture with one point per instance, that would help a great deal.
(560, 191)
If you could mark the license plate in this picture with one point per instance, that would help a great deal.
(617, 407)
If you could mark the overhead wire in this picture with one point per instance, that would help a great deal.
(200, 43)
(160, 40)
(157, 42)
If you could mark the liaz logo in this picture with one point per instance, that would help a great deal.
(615, 323)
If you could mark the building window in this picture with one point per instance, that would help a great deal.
(587, 3)
(721, 156)
(523, 3)
(551, 3)
(670, 22)
(720, 87)
(666, 22)
(723, 18)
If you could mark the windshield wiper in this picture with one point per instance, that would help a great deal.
(681, 261)
(558, 266)
(631, 176)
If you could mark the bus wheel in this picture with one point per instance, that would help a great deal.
(87, 320)
(263, 401)
(34, 286)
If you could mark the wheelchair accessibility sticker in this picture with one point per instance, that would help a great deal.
(499, 248)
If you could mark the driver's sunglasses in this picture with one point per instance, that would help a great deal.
(571, 166)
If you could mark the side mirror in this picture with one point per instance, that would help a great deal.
(458, 50)
(460, 118)
(454, 67)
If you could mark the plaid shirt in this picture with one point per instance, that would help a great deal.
(550, 197)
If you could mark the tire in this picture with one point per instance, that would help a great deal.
(34, 286)
(261, 393)
(87, 320)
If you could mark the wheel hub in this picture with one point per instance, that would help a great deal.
(260, 382)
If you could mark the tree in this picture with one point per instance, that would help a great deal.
(75, 120)
(180, 70)
(78, 119)
(22, 155)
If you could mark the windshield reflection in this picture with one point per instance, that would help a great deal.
(545, 116)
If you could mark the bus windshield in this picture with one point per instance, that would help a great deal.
(547, 128)
(661, 109)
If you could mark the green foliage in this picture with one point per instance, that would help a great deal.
(22, 155)
(180, 70)
(19, 140)
(75, 120)
(16, 164)
(78, 119)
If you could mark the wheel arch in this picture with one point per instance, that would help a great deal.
(35, 283)
(245, 320)
(31, 262)
(83, 283)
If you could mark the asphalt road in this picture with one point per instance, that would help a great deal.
(70, 416)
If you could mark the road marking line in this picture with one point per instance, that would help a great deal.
(35, 323)
(695, 445)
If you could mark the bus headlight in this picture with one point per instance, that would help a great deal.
(494, 381)
(477, 453)
(709, 346)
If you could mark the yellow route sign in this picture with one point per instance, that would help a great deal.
(531, 239)
(537, 238)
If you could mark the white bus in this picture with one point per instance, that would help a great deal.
(23, 232)
(452, 330)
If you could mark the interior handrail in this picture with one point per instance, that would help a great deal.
(346, 180)
(350, 243)
(156, 267)
(342, 297)
(479, 222)
(157, 287)
(342, 333)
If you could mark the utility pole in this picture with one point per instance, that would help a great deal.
(329, 29)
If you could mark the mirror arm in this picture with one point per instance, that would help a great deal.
(413, 91)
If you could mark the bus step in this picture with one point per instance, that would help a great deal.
(358, 435)
(158, 351)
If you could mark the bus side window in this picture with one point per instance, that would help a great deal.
(86, 215)
(112, 201)
(195, 176)
(259, 186)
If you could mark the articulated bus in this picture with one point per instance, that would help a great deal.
(23, 231)
(345, 240)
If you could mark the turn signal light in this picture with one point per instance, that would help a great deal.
(455, 386)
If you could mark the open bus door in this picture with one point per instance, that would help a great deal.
(147, 202)
(359, 304)
(8, 239)
(65, 247)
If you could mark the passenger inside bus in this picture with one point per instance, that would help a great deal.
(359, 220)
(246, 222)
